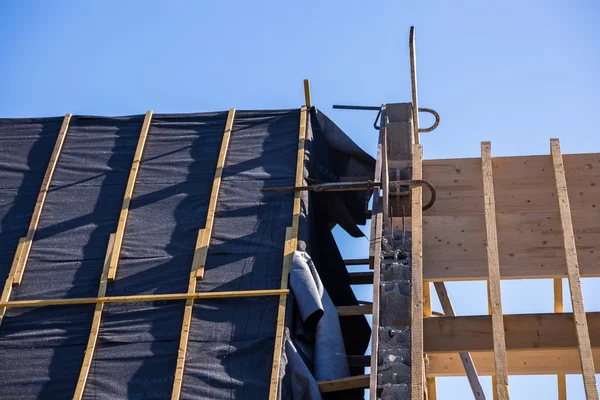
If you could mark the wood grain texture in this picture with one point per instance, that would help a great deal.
(520, 362)
(307, 100)
(23, 254)
(291, 243)
(95, 330)
(493, 262)
(528, 220)
(200, 256)
(561, 380)
(135, 167)
(416, 326)
(570, 257)
(522, 332)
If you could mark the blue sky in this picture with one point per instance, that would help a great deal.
(513, 72)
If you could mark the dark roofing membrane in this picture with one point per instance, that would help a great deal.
(230, 349)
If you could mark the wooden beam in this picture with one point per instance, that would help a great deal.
(145, 297)
(465, 357)
(291, 243)
(570, 255)
(307, 93)
(135, 166)
(361, 278)
(561, 379)
(205, 234)
(338, 385)
(348, 311)
(23, 254)
(529, 229)
(501, 387)
(522, 332)
(357, 261)
(8, 285)
(93, 338)
(416, 325)
(200, 256)
(520, 362)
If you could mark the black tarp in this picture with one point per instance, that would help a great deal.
(231, 342)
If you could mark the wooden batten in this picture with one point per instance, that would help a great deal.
(570, 252)
(200, 256)
(91, 346)
(23, 254)
(416, 326)
(501, 387)
(291, 243)
(135, 167)
(8, 285)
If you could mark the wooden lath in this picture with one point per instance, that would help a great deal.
(135, 167)
(581, 326)
(200, 256)
(416, 325)
(291, 243)
(501, 385)
(22, 255)
(91, 346)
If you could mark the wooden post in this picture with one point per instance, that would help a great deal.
(135, 166)
(200, 256)
(416, 326)
(581, 326)
(307, 93)
(431, 385)
(23, 254)
(291, 243)
(8, 284)
(91, 346)
(501, 386)
(559, 308)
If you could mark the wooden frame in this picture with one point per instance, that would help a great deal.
(135, 167)
(291, 243)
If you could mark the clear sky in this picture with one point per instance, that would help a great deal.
(513, 72)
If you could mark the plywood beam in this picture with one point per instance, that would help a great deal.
(93, 338)
(200, 256)
(522, 332)
(570, 256)
(291, 243)
(416, 325)
(23, 254)
(520, 362)
(501, 387)
(135, 167)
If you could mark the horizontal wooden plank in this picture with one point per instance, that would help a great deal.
(357, 261)
(337, 385)
(361, 278)
(520, 362)
(529, 230)
(523, 332)
(362, 309)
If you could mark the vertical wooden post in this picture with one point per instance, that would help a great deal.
(501, 386)
(307, 93)
(91, 346)
(135, 166)
(431, 385)
(200, 256)
(291, 243)
(23, 255)
(416, 326)
(581, 326)
(559, 308)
